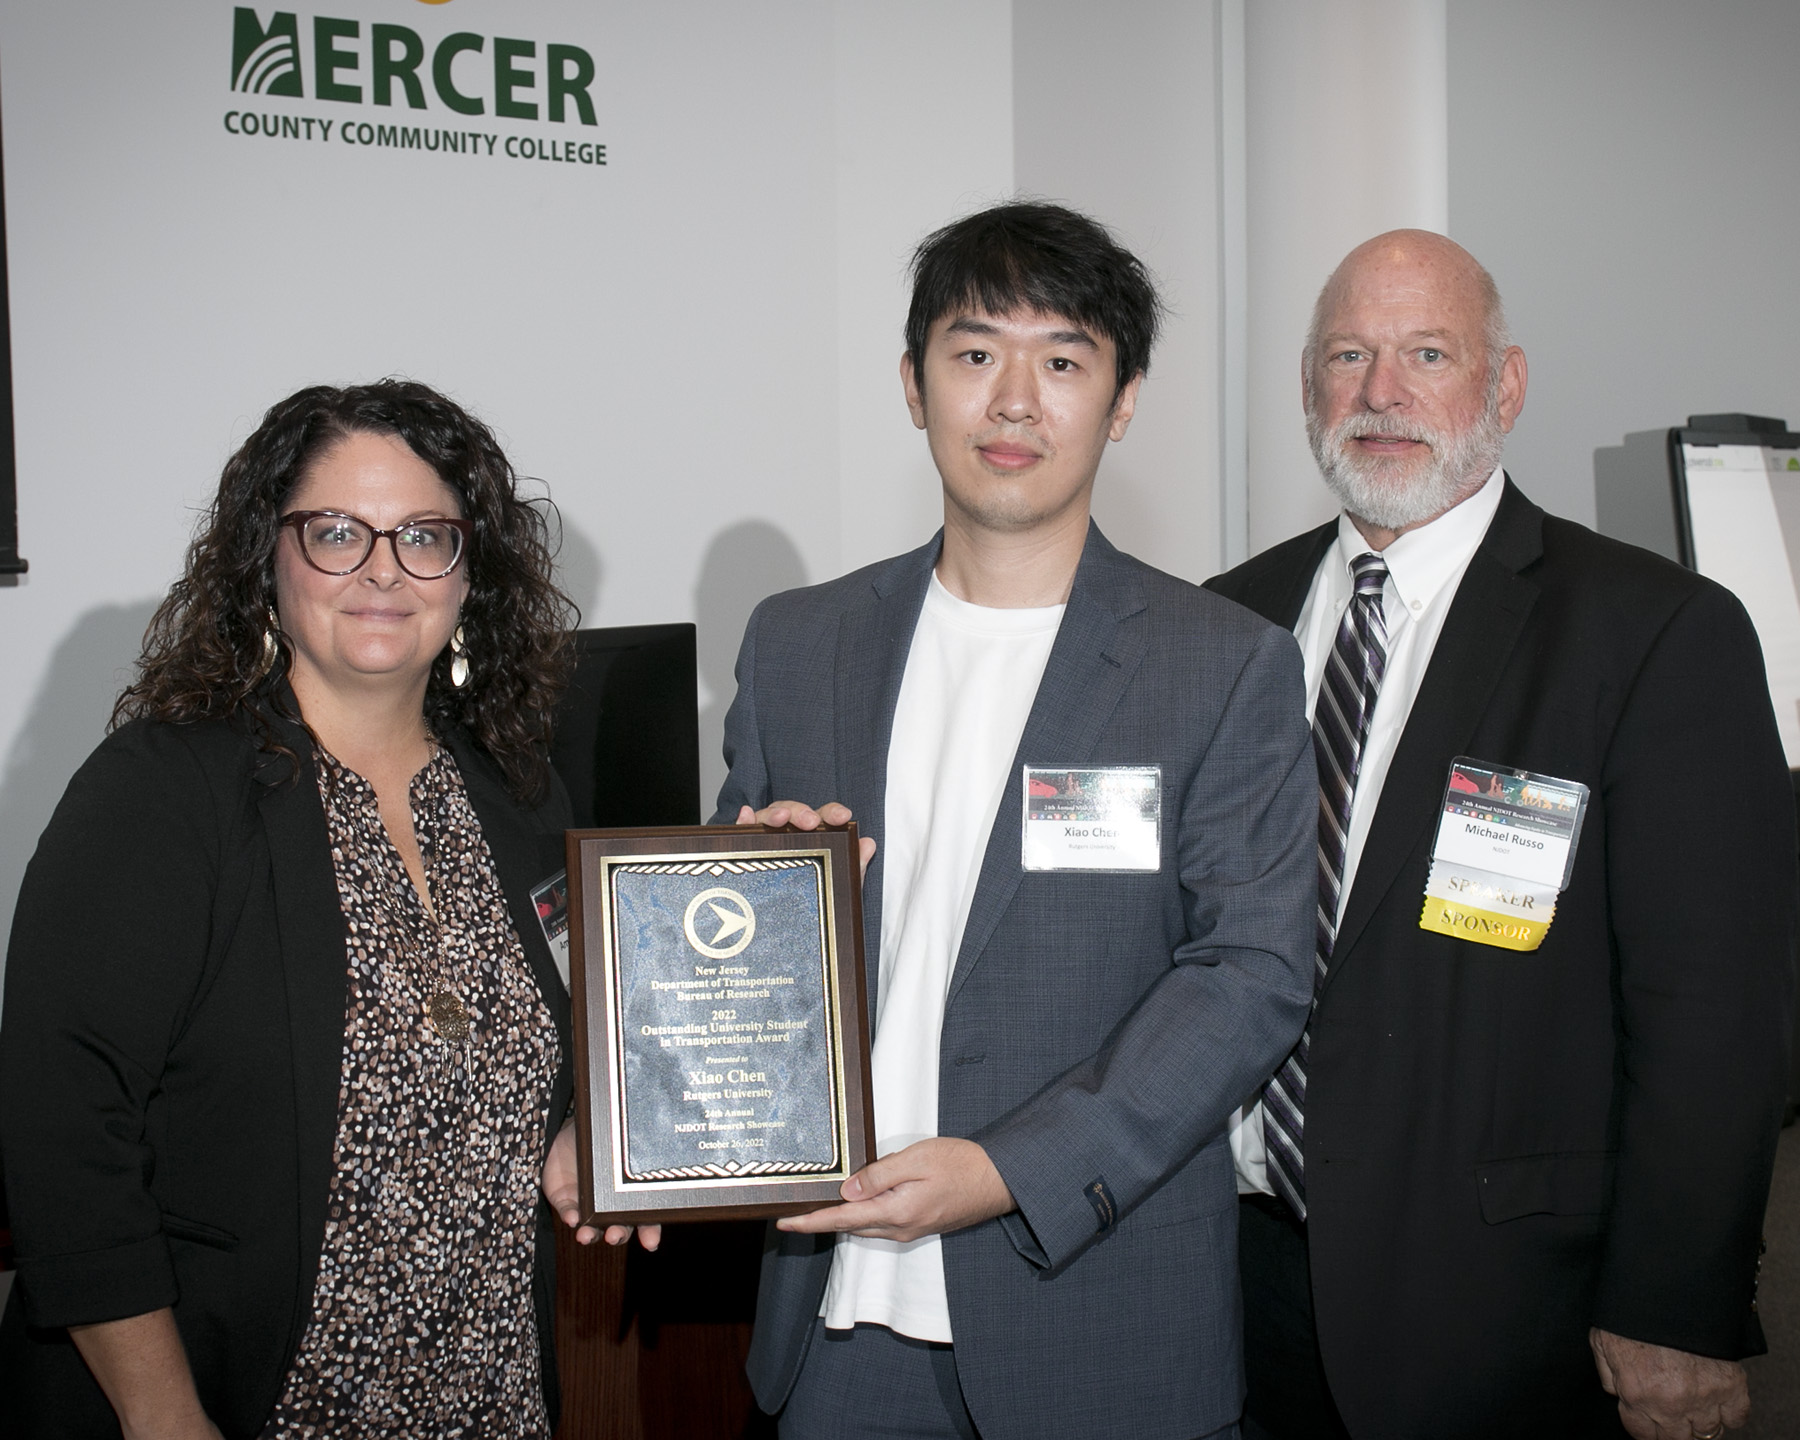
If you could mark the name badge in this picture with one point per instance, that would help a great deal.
(1505, 849)
(551, 900)
(1103, 818)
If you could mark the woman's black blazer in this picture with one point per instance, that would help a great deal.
(170, 1055)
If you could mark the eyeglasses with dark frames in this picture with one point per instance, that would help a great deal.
(339, 544)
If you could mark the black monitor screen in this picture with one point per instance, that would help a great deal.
(628, 730)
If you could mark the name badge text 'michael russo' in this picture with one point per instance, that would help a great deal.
(461, 81)
(1505, 850)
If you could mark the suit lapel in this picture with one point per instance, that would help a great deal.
(1098, 648)
(1472, 651)
(874, 637)
(315, 966)
(1280, 594)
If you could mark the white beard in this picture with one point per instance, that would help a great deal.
(1396, 494)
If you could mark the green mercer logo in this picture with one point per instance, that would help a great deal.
(265, 60)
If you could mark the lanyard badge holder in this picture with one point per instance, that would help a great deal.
(1505, 851)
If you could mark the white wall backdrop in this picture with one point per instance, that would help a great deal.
(1116, 112)
(695, 348)
(1346, 131)
(1628, 169)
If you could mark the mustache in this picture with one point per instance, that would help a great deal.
(1387, 427)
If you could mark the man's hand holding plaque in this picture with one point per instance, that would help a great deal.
(803, 817)
(930, 1188)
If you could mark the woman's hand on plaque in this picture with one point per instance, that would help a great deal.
(562, 1188)
(803, 817)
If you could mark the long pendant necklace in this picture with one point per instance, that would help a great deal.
(445, 1012)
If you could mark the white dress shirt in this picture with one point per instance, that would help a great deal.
(1424, 568)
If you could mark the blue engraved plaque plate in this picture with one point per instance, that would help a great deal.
(725, 1018)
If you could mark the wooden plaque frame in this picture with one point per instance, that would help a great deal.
(607, 1195)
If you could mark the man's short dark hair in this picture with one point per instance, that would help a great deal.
(1032, 256)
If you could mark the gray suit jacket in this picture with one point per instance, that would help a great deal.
(1099, 1027)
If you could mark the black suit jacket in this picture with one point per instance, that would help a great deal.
(1503, 1149)
(169, 1061)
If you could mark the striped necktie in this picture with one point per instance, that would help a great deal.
(1341, 715)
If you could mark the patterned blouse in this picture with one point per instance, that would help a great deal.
(422, 1318)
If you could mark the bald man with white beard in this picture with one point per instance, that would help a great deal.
(1512, 1180)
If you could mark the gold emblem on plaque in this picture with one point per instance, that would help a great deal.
(448, 1015)
(736, 923)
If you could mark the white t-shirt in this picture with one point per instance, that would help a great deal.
(971, 676)
(1425, 566)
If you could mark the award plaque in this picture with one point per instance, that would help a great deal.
(721, 1029)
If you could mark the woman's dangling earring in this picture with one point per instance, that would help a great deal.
(459, 659)
(271, 647)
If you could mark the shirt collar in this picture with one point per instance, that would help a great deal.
(1422, 561)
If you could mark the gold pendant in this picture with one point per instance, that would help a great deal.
(448, 1015)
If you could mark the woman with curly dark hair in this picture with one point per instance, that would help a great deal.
(278, 1098)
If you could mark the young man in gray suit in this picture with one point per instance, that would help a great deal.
(1089, 915)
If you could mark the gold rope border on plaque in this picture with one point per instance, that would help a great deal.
(820, 861)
